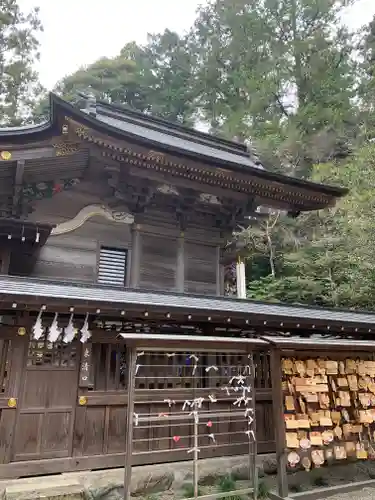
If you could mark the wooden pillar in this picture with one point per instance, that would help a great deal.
(279, 424)
(9, 415)
(241, 278)
(4, 261)
(219, 273)
(180, 271)
(131, 364)
(136, 257)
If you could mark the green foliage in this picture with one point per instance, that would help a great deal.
(154, 79)
(280, 72)
(332, 264)
(263, 490)
(226, 485)
(188, 490)
(18, 51)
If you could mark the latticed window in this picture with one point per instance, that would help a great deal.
(42, 352)
(4, 364)
(112, 266)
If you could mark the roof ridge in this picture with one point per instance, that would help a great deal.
(238, 147)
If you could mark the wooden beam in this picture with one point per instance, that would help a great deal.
(219, 273)
(18, 185)
(279, 425)
(135, 260)
(131, 364)
(180, 271)
(4, 260)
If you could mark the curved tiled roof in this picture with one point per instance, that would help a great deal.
(120, 122)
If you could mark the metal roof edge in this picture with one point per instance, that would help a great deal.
(15, 286)
(298, 342)
(31, 130)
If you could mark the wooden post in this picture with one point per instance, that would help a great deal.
(253, 448)
(241, 278)
(135, 260)
(195, 455)
(279, 425)
(4, 261)
(219, 273)
(180, 272)
(131, 366)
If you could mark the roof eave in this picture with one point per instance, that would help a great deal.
(333, 191)
(33, 132)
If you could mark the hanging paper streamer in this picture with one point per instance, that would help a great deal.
(54, 330)
(212, 367)
(212, 436)
(226, 389)
(250, 434)
(240, 379)
(212, 398)
(195, 359)
(38, 329)
(69, 331)
(170, 402)
(85, 332)
(194, 449)
(136, 419)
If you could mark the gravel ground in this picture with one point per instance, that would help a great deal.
(365, 494)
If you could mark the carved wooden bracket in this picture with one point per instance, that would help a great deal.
(87, 213)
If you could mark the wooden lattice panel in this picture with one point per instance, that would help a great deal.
(42, 352)
(168, 382)
(5, 349)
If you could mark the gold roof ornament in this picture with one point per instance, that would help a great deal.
(6, 155)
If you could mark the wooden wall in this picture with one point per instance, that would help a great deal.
(162, 259)
(49, 431)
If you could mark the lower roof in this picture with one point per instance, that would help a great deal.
(38, 292)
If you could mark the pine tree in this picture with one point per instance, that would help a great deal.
(18, 53)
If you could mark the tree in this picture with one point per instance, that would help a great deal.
(280, 72)
(366, 90)
(18, 52)
(173, 88)
(155, 79)
(333, 263)
(111, 79)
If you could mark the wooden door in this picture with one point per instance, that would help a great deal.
(47, 401)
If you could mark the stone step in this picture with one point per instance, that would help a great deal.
(57, 490)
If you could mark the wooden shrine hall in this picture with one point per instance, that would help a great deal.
(113, 234)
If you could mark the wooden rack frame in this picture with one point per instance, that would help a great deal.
(140, 342)
(293, 347)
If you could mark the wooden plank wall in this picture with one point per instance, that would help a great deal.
(166, 259)
(48, 434)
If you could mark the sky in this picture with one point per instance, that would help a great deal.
(77, 32)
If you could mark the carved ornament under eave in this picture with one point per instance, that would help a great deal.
(210, 199)
(65, 148)
(92, 211)
(167, 189)
(218, 178)
(40, 190)
(155, 156)
(5, 155)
